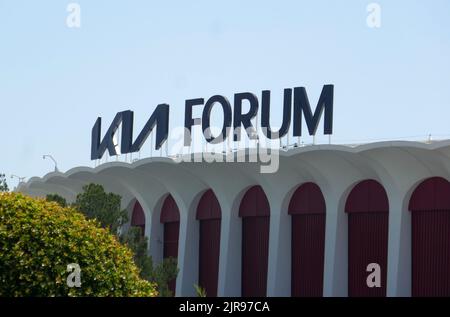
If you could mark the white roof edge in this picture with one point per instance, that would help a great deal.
(435, 145)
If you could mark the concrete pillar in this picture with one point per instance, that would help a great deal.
(399, 247)
(188, 254)
(336, 246)
(279, 270)
(230, 251)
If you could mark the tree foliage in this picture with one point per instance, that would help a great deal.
(3, 184)
(139, 245)
(160, 274)
(163, 273)
(200, 291)
(38, 239)
(95, 203)
(57, 199)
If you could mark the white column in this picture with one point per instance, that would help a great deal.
(156, 234)
(399, 247)
(336, 247)
(153, 232)
(188, 243)
(230, 253)
(279, 270)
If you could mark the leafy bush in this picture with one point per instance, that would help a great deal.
(200, 291)
(163, 274)
(95, 203)
(38, 239)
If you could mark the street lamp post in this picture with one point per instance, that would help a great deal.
(21, 179)
(54, 161)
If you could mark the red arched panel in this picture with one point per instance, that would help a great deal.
(307, 199)
(431, 194)
(255, 213)
(430, 220)
(170, 211)
(254, 203)
(209, 214)
(368, 222)
(367, 196)
(138, 217)
(307, 207)
(208, 207)
(170, 217)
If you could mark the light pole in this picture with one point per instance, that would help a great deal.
(21, 179)
(54, 161)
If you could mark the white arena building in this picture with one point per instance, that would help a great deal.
(327, 219)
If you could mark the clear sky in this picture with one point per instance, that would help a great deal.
(390, 82)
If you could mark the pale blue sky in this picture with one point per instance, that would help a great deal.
(54, 81)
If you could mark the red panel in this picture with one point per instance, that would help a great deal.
(307, 199)
(368, 222)
(430, 207)
(255, 211)
(170, 216)
(254, 203)
(300, 200)
(262, 204)
(138, 217)
(308, 245)
(423, 197)
(171, 232)
(431, 253)
(442, 188)
(248, 204)
(431, 194)
(358, 199)
(208, 207)
(209, 249)
(255, 250)
(307, 207)
(367, 196)
(367, 243)
(171, 235)
(378, 199)
(169, 211)
(209, 214)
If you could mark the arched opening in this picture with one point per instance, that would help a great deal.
(170, 217)
(138, 217)
(430, 240)
(307, 210)
(255, 213)
(368, 221)
(209, 215)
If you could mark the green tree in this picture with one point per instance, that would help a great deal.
(160, 274)
(163, 273)
(39, 239)
(139, 245)
(95, 203)
(3, 184)
(57, 198)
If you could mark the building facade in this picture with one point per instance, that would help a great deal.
(318, 226)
